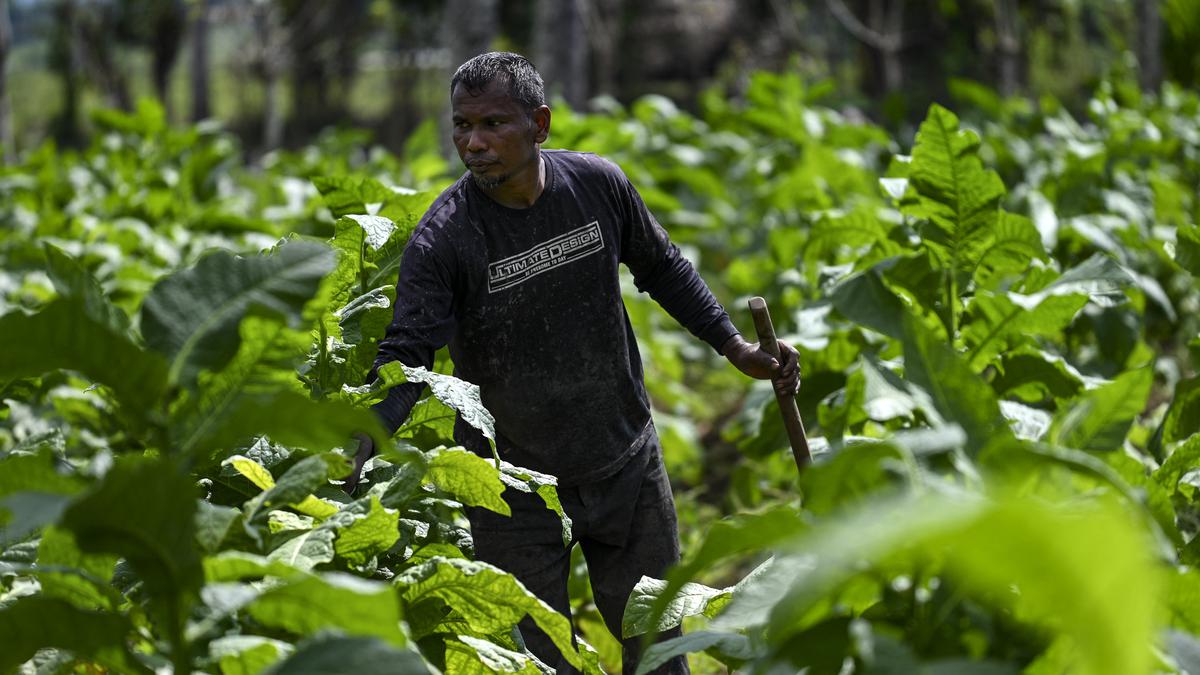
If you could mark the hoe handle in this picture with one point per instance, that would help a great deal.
(787, 404)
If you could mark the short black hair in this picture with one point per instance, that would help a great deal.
(524, 83)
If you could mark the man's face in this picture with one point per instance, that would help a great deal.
(496, 136)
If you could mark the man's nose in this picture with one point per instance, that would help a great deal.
(475, 141)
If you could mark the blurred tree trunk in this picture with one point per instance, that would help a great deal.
(1149, 44)
(882, 32)
(1008, 45)
(561, 49)
(64, 60)
(272, 61)
(6, 130)
(468, 28)
(603, 20)
(323, 40)
(166, 35)
(200, 64)
(93, 27)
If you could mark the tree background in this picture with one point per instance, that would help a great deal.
(278, 72)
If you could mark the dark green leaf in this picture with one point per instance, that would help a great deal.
(1099, 419)
(144, 511)
(63, 335)
(192, 316)
(333, 601)
(329, 654)
(33, 623)
(958, 394)
(71, 280)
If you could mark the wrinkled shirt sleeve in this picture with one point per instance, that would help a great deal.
(660, 269)
(422, 322)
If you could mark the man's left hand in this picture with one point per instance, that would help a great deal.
(751, 359)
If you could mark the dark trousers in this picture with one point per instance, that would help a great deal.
(627, 528)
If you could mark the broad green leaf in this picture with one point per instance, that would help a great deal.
(488, 600)
(335, 601)
(376, 229)
(63, 335)
(144, 510)
(192, 316)
(1182, 460)
(294, 489)
(855, 472)
(957, 200)
(247, 654)
(844, 232)
(990, 547)
(1033, 375)
(237, 566)
(690, 600)
(468, 478)
(735, 645)
(371, 309)
(307, 550)
(958, 394)
(34, 623)
(546, 487)
(867, 301)
(287, 417)
(472, 656)
(326, 654)
(71, 280)
(1183, 417)
(995, 322)
(1187, 248)
(735, 535)
(347, 194)
(37, 472)
(69, 574)
(1098, 420)
(1099, 277)
(458, 394)
(213, 523)
(368, 536)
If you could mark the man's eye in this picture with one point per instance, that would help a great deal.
(494, 123)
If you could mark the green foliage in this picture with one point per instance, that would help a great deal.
(997, 334)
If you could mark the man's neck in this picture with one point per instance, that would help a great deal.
(520, 191)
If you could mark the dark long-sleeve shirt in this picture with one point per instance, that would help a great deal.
(529, 302)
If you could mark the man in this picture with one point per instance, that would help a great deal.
(515, 267)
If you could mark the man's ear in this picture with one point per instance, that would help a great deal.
(541, 123)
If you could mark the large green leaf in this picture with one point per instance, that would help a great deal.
(990, 547)
(192, 316)
(333, 601)
(73, 281)
(255, 395)
(996, 322)
(349, 654)
(487, 599)
(690, 600)
(468, 478)
(958, 394)
(143, 510)
(66, 572)
(461, 396)
(1099, 419)
(369, 535)
(867, 301)
(471, 656)
(64, 335)
(958, 202)
(1183, 417)
(33, 623)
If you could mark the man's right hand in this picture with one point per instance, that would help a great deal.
(366, 450)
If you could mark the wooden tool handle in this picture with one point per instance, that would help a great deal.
(787, 404)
